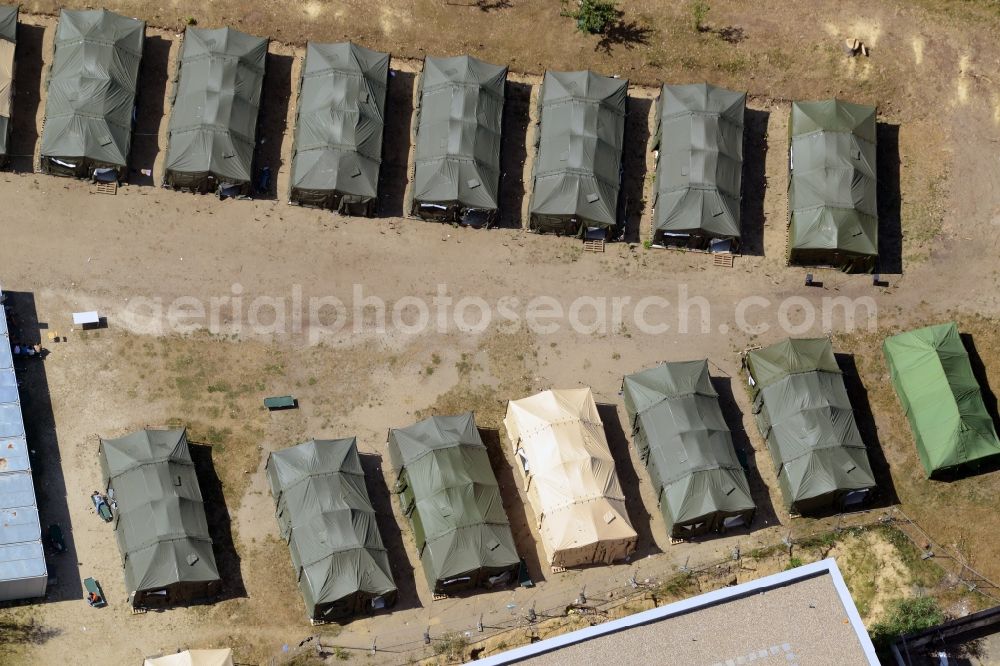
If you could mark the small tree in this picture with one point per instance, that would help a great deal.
(906, 616)
(595, 16)
(699, 12)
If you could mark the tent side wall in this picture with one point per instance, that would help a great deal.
(179, 593)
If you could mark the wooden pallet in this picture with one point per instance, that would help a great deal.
(139, 611)
(593, 246)
(107, 188)
(723, 259)
(674, 542)
(558, 569)
(439, 597)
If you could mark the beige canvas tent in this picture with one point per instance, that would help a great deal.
(570, 476)
(222, 657)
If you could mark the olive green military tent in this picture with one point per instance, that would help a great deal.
(804, 414)
(326, 518)
(459, 120)
(90, 108)
(213, 124)
(8, 41)
(570, 477)
(933, 378)
(160, 518)
(833, 218)
(448, 491)
(337, 152)
(680, 434)
(699, 168)
(577, 170)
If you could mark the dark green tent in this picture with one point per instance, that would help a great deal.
(448, 491)
(933, 378)
(458, 126)
(577, 171)
(833, 218)
(90, 108)
(803, 412)
(699, 170)
(326, 518)
(160, 518)
(8, 41)
(338, 132)
(213, 124)
(682, 437)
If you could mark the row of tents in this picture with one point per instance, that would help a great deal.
(457, 138)
(449, 495)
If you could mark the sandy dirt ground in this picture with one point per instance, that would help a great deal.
(65, 248)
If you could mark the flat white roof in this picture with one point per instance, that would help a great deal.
(22, 560)
(21, 552)
(801, 616)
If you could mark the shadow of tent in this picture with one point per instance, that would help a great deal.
(396, 143)
(513, 153)
(392, 538)
(765, 514)
(752, 216)
(631, 202)
(885, 494)
(890, 230)
(149, 112)
(518, 514)
(43, 444)
(27, 98)
(273, 119)
(219, 524)
(619, 445)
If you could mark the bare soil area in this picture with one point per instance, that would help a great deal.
(64, 248)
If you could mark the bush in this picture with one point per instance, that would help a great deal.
(699, 11)
(595, 16)
(905, 616)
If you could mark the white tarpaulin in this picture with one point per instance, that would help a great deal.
(570, 476)
(222, 657)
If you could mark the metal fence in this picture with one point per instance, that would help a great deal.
(656, 577)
